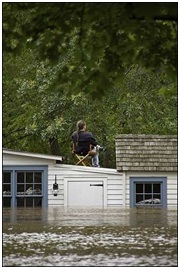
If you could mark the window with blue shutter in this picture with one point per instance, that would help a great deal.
(25, 186)
(148, 191)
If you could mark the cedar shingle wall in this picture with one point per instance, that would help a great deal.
(146, 152)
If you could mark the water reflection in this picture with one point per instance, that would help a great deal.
(89, 237)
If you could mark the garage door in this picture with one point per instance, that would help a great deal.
(85, 193)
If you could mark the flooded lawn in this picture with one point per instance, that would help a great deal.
(89, 237)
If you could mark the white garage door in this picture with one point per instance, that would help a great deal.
(85, 193)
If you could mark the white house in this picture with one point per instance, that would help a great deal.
(28, 180)
(31, 179)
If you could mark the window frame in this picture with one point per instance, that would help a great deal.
(28, 168)
(148, 180)
(7, 196)
(6, 183)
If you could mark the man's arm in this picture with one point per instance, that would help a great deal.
(93, 140)
(74, 137)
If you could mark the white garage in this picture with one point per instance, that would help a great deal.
(29, 178)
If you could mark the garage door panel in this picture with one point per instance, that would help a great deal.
(85, 193)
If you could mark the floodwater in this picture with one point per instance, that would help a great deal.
(89, 237)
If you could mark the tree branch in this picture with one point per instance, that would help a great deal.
(14, 140)
(14, 131)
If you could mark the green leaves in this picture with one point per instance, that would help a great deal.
(104, 39)
(112, 64)
(38, 117)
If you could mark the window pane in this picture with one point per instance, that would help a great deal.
(6, 189)
(29, 202)
(7, 202)
(20, 202)
(20, 189)
(157, 196)
(29, 177)
(148, 196)
(38, 189)
(156, 199)
(156, 188)
(20, 177)
(6, 177)
(148, 188)
(139, 188)
(29, 189)
(37, 202)
(38, 177)
(139, 197)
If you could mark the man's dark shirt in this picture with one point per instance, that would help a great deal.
(82, 141)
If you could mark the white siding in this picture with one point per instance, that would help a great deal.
(113, 183)
(171, 185)
(59, 199)
(115, 191)
(172, 190)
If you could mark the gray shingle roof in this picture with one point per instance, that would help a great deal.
(146, 152)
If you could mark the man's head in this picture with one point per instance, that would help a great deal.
(81, 125)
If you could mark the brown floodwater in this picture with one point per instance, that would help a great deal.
(89, 237)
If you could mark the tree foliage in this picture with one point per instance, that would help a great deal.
(100, 41)
(41, 120)
(112, 64)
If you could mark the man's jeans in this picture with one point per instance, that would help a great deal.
(95, 158)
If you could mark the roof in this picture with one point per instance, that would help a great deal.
(35, 155)
(69, 167)
(146, 152)
(89, 169)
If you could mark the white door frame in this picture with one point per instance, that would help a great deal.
(87, 178)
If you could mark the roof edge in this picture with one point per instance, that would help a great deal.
(90, 169)
(146, 136)
(30, 154)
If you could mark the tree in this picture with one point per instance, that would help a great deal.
(56, 71)
(41, 120)
(100, 40)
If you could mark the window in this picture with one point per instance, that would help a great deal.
(25, 186)
(29, 188)
(148, 192)
(6, 189)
